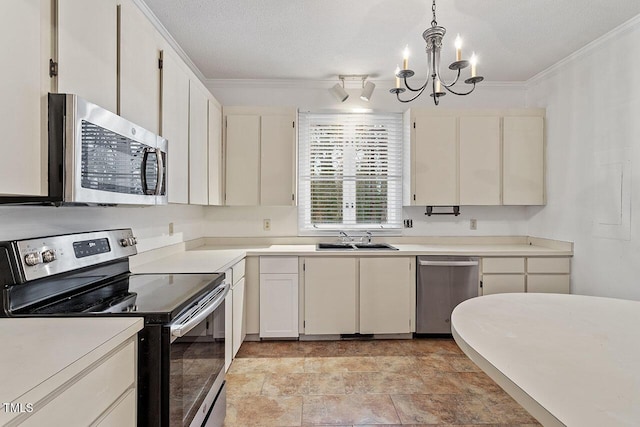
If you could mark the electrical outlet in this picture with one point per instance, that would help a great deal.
(408, 223)
(473, 224)
(170, 229)
(266, 224)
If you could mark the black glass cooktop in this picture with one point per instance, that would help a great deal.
(157, 297)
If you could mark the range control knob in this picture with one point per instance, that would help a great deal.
(124, 242)
(48, 255)
(31, 259)
(128, 241)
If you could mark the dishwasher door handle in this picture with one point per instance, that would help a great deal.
(448, 263)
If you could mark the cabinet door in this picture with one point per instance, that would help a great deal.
(228, 330)
(215, 153)
(25, 44)
(139, 70)
(523, 161)
(123, 414)
(435, 161)
(238, 316)
(243, 160)
(279, 305)
(502, 283)
(87, 50)
(480, 160)
(175, 126)
(330, 295)
(198, 141)
(385, 295)
(277, 152)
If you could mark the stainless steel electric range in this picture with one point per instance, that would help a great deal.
(181, 376)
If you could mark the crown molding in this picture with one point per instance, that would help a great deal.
(169, 38)
(629, 25)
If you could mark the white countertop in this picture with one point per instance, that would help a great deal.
(569, 359)
(211, 259)
(36, 349)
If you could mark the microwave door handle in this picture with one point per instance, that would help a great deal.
(143, 171)
(160, 168)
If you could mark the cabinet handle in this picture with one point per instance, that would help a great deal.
(449, 263)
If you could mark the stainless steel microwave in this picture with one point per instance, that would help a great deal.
(99, 158)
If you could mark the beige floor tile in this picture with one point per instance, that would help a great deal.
(349, 410)
(506, 410)
(383, 383)
(442, 383)
(269, 365)
(264, 411)
(245, 384)
(461, 363)
(407, 364)
(340, 364)
(441, 409)
(477, 383)
(433, 363)
(304, 384)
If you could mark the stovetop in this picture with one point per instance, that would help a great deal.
(159, 298)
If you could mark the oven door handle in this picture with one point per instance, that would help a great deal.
(199, 312)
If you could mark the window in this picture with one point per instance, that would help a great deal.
(350, 171)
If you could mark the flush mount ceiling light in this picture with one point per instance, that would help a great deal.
(433, 36)
(367, 87)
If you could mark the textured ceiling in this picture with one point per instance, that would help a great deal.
(319, 39)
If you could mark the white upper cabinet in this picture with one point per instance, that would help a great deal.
(277, 160)
(480, 160)
(25, 43)
(87, 50)
(435, 161)
(215, 153)
(139, 68)
(242, 160)
(260, 156)
(198, 145)
(175, 126)
(523, 161)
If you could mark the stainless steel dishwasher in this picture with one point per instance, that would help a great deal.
(443, 282)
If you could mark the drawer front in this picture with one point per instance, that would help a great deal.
(502, 283)
(278, 265)
(85, 400)
(503, 265)
(548, 283)
(123, 414)
(238, 271)
(548, 265)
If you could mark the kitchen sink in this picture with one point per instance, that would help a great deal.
(355, 246)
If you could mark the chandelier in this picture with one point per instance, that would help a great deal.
(433, 36)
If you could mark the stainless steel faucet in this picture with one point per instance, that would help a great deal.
(345, 236)
(368, 233)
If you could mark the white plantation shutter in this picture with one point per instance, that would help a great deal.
(350, 171)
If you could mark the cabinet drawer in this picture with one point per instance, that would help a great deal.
(103, 385)
(278, 265)
(503, 265)
(238, 271)
(548, 265)
(548, 283)
(502, 283)
(122, 414)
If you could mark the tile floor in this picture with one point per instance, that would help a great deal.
(422, 382)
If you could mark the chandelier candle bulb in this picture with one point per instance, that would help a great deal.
(458, 45)
(438, 86)
(397, 78)
(474, 63)
(405, 58)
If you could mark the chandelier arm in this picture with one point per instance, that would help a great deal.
(411, 99)
(420, 89)
(447, 86)
(461, 93)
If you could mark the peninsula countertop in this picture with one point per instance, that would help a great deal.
(569, 359)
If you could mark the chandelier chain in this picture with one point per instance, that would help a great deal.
(433, 9)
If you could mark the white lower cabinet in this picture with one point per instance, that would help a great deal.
(533, 274)
(368, 295)
(330, 295)
(239, 331)
(228, 326)
(278, 297)
(235, 312)
(385, 295)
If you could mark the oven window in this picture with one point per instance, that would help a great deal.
(196, 361)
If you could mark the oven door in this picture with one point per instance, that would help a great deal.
(195, 388)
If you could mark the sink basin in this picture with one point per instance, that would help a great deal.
(335, 246)
(355, 246)
(374, 246)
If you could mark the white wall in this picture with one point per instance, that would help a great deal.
(314, 96)
(150, 224)
(593, 111)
